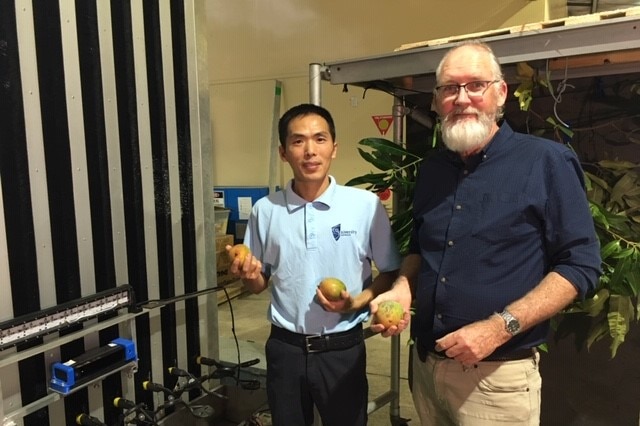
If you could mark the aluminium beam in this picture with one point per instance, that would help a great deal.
(613, 34)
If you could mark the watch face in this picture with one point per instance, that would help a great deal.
(513, 326)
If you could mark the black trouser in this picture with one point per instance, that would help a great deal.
(334, 380)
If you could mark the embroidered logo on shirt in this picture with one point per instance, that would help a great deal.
(337, 232)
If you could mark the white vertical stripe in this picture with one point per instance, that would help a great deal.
(174, 175)
(107, 65)
(148, 196)
(9, 385)
(73, 95)
(35, 150)
(80, 175)
(9, 375)
(202, 159)
(6, 307)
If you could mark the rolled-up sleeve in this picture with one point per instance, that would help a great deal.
(572, 244)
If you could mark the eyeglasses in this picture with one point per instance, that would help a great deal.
(474, 89)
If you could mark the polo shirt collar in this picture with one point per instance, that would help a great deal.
(294, 201)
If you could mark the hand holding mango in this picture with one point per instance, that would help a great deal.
(389, 313)
(239, 251)
(332, 288)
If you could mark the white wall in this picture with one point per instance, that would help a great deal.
(254, 42)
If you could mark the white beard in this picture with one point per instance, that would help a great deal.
(465, 135)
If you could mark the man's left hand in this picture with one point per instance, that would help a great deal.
(474, 342)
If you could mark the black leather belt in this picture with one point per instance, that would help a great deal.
(509, 356)
(312, 343)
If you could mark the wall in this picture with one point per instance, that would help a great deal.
(104, 158)
(253, 43)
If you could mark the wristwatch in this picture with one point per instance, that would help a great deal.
(512, 325)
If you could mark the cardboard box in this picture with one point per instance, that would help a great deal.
(223, 276)
(222, 241)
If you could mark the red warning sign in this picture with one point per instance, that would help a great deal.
(383, 122)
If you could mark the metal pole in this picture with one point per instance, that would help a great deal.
(394, 404)
(315, 84)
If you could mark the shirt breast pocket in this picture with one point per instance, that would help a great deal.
(503, 217)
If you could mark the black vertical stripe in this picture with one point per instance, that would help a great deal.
(96, 145)
(111, 385)
(55, 128)
(155, 81)
(144, 360)
(129, 145)
(33, 386)
(131, 181)
(189, 253)
(14, 170)
(98, 175)
(57, 150)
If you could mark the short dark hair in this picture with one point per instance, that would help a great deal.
(301, 111)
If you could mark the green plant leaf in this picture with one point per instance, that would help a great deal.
(370, 178)
(594, 305)
(625, 184)
(612, 247)
(385, 147)
(617, 165)
(621, 311)
(597, 332)
(380, 163)
(601, 182)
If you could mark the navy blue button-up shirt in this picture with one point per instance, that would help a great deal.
(489, 229)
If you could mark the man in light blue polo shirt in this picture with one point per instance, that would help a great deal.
(312, 230)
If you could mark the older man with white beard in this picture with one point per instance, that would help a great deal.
(503, 239)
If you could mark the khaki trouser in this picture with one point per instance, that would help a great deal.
(487, 394)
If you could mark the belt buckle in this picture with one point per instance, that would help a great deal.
(309, 340)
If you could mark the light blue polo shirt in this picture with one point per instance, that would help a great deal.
(299, 243)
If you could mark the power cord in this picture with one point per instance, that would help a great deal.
(248, 384)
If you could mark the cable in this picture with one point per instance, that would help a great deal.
(562, 86)
(245, 384)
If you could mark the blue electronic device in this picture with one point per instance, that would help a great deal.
(70, 375)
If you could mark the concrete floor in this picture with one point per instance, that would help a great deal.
(252, 329)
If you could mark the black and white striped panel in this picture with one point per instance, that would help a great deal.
(104, 171)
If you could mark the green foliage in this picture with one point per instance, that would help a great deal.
(614, 196)
(613, 189)
(398, 168)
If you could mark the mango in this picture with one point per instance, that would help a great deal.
(389, 313)
(332, 288)
(239, 251)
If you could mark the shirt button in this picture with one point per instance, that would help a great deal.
(439, 316)
(443, 280)
(466, 172)
(458, 207)
(450, 243)
(484, 157)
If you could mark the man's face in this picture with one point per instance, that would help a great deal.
(309, 148)
(469, 122)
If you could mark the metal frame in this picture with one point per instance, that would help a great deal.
(413, 70)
